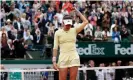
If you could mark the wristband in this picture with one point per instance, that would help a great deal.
(54, 59)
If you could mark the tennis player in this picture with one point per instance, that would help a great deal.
(65, 39)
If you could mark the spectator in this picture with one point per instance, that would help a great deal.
(119, 63)
(89, 28)
(29, 15)
(15, 11)
(119, 73)
(11, 34)
(19, 27)
(67, 6)
(114, 14)
(80, 37)
(36, 5)
(44, 6)
(37, 16)
(4, 44)
(50, 14)
(100, 73)
(20, 48)
(113, 25)
(5, 6)
(106, 21)
(77, 22)
(124, 34)
(42, 24)
(116, 35)
(65, 12)
(23, 21)
(84, 71)
(28, 38)
(130, 70)
(132, 24)
(28, 23)
(124, 16)
(130, 63)
(50, 32)
(15, 35)
(113, 64)
(88, 37)
(109, 73)
(3, 31)
(119, 17)
(129, 17)
(2, 16)
(21, 6)
(10, 49)
(98, 34)
(38, 37)
(4, 39)
(99, 16)
(105, 34)
(34, 29)
(17, 24)
(9, 25)
(59, 16)
(50, 27)
(93, 18)
(56, 23)
(113, 72)
(3, 75)
(91, 74)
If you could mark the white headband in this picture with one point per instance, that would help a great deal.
(67, 21)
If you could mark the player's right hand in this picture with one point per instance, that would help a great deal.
(55, 66)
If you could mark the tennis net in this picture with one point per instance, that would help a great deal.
(83, 73)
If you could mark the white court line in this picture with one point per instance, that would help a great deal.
(29, 55)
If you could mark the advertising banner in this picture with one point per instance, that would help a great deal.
(104, 49)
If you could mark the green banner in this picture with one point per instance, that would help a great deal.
(15, 75)
(104, 49)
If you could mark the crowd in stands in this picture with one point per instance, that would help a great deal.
(104, 74)
(27, 23)
(107, 74)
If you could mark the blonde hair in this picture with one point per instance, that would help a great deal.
(23, 15)
(2, 28)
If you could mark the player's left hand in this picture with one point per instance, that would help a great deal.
(55, 66)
